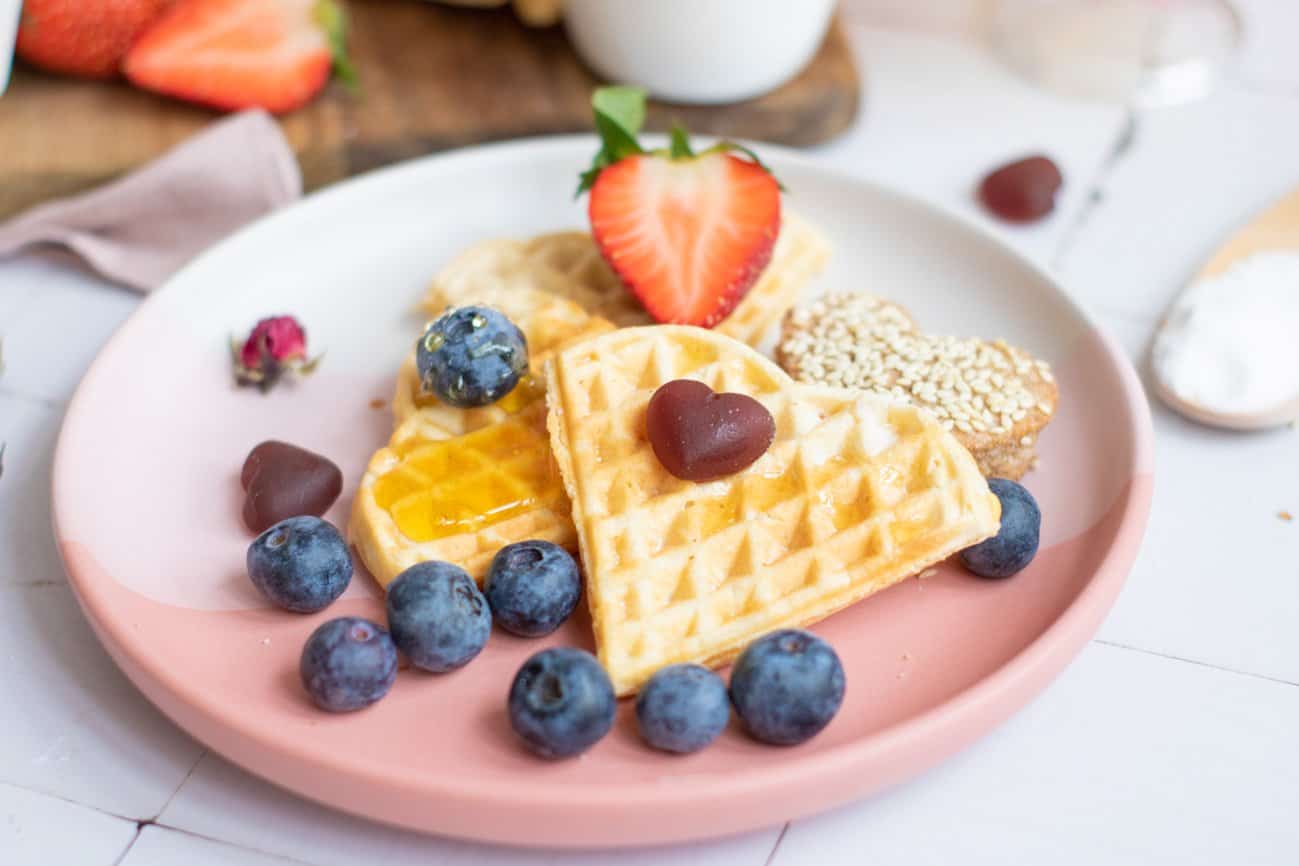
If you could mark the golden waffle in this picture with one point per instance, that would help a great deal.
(426, 496)
(994, 397)
(547, 321)
(854, 495)
(569, 264)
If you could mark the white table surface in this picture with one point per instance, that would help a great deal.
(1174, 738)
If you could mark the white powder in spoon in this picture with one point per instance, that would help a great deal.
(1231, 342)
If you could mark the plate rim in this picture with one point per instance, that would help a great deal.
(954, 723)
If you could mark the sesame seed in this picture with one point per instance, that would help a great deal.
(848, 339)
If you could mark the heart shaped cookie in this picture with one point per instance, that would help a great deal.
(853, 495)
(282, 481)
(994, 397)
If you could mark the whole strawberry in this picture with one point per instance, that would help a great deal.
(277, 345)
(689, 233)
(85, 39)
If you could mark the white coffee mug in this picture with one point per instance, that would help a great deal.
(698, 51)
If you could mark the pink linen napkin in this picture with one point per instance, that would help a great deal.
(142, 228)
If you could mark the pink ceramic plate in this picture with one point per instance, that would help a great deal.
(146, 501)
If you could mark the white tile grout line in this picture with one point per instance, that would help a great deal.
(170, 829)
(775, 848)
(1124, 143)
(71, 802)
(1197, 662)
(139, 828)
(29, 397)
(34, 583)
(203, 753)
(1119, 149)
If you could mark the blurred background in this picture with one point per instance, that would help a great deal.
(100, 88)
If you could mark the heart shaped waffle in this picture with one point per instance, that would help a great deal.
(994, 397)
(854, 494)
(569, 264)
(418, 497)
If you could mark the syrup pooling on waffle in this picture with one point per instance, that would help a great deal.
(428, 496)
(853, 495)
(453, 486)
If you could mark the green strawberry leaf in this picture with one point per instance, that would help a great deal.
(619, 116)
(680, 146)
(332, 18)
(622, 105)
(618, 142)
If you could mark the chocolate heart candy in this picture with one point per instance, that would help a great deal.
(700, 435)
(284, 481)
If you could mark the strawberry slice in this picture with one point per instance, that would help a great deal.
(688, 234)
(233, 54)
(689, 237)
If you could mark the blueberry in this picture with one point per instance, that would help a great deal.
(682, 708)
(1015, 544)
(437, 616)
(787, 686)
(348, 663)
(471, 356)
(301, 564)
(532, 587)
(561, 702)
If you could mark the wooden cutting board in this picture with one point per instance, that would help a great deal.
(432, 77)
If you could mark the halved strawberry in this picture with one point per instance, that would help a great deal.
(688, 234)
(689, 237)
(232, 54)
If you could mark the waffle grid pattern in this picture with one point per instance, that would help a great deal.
(387, 551)
(569, 264)
(854, 495)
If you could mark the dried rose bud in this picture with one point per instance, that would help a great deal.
(281, 336)
(277, 345)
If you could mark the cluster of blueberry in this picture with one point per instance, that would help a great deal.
(437, 615)
(785, 687)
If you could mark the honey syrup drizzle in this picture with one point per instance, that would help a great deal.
(461, 485)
